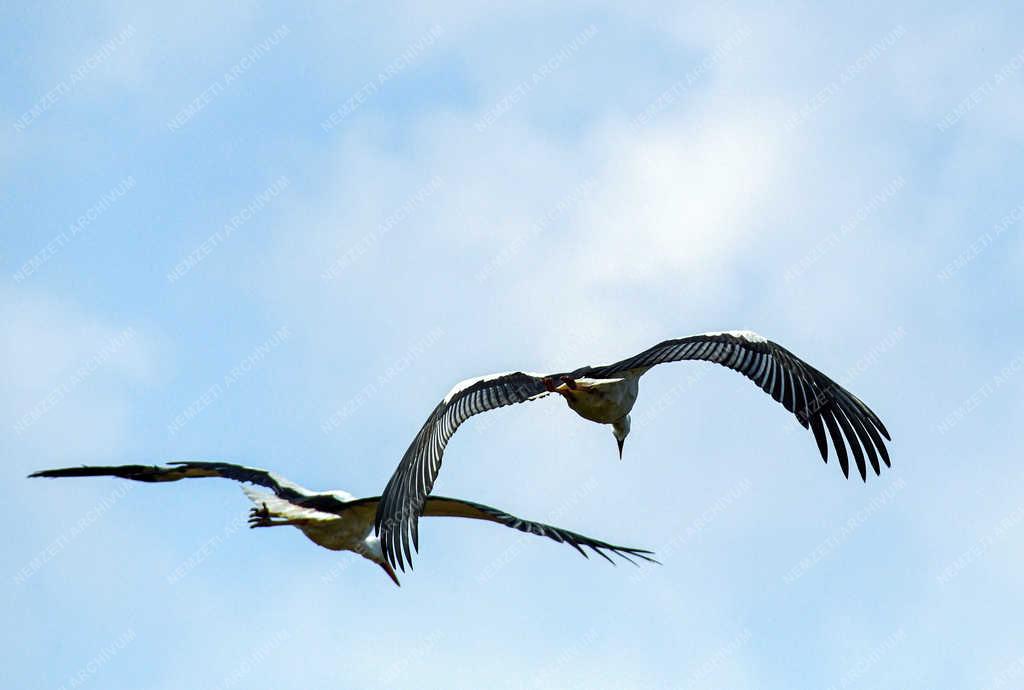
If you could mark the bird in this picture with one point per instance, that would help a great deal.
(335, 520)
(606, 394)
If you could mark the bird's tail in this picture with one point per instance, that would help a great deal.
(283, 508)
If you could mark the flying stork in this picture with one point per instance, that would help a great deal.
(335, 520)
(605, 394)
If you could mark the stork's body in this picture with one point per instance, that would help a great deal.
(605, 401)
(606, 394)
(337, 534)
(347, 531)
(335, 520)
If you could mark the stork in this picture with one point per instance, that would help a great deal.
(335, 520)
(606, 394)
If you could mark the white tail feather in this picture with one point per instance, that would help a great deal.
(281, 508)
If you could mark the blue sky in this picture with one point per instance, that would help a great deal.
(278, 237)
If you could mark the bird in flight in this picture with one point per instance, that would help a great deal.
(336, 520)
(605, 394)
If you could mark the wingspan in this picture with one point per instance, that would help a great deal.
(453, 507)
(404, 496)
(818, 402)
(175, 471)
(440, 506)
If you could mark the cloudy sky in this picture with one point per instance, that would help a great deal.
(277, 238)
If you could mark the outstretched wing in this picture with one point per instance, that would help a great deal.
(175, 471)
(406, 492)
(818, 402)
(439, 506)
(453, 507)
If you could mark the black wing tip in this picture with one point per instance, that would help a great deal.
(394, 560)
(394, 555)
(850, 423)
(393, 551)
(78, 471)
(405, 548)
(576, 546)
(874, 454)
(638, 553)
(623, 552)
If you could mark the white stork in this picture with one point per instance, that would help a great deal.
(605, 394)
(335, 520)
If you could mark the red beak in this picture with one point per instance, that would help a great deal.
(390, 571)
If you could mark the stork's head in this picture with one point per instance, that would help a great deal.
(620, 430)
(371, 550)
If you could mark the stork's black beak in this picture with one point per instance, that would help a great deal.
(620, 441)
(390, 571)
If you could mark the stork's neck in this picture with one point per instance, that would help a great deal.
(621, 428)
(370, 548)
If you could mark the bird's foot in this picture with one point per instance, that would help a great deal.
(260, 517)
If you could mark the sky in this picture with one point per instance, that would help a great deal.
(277, 236)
